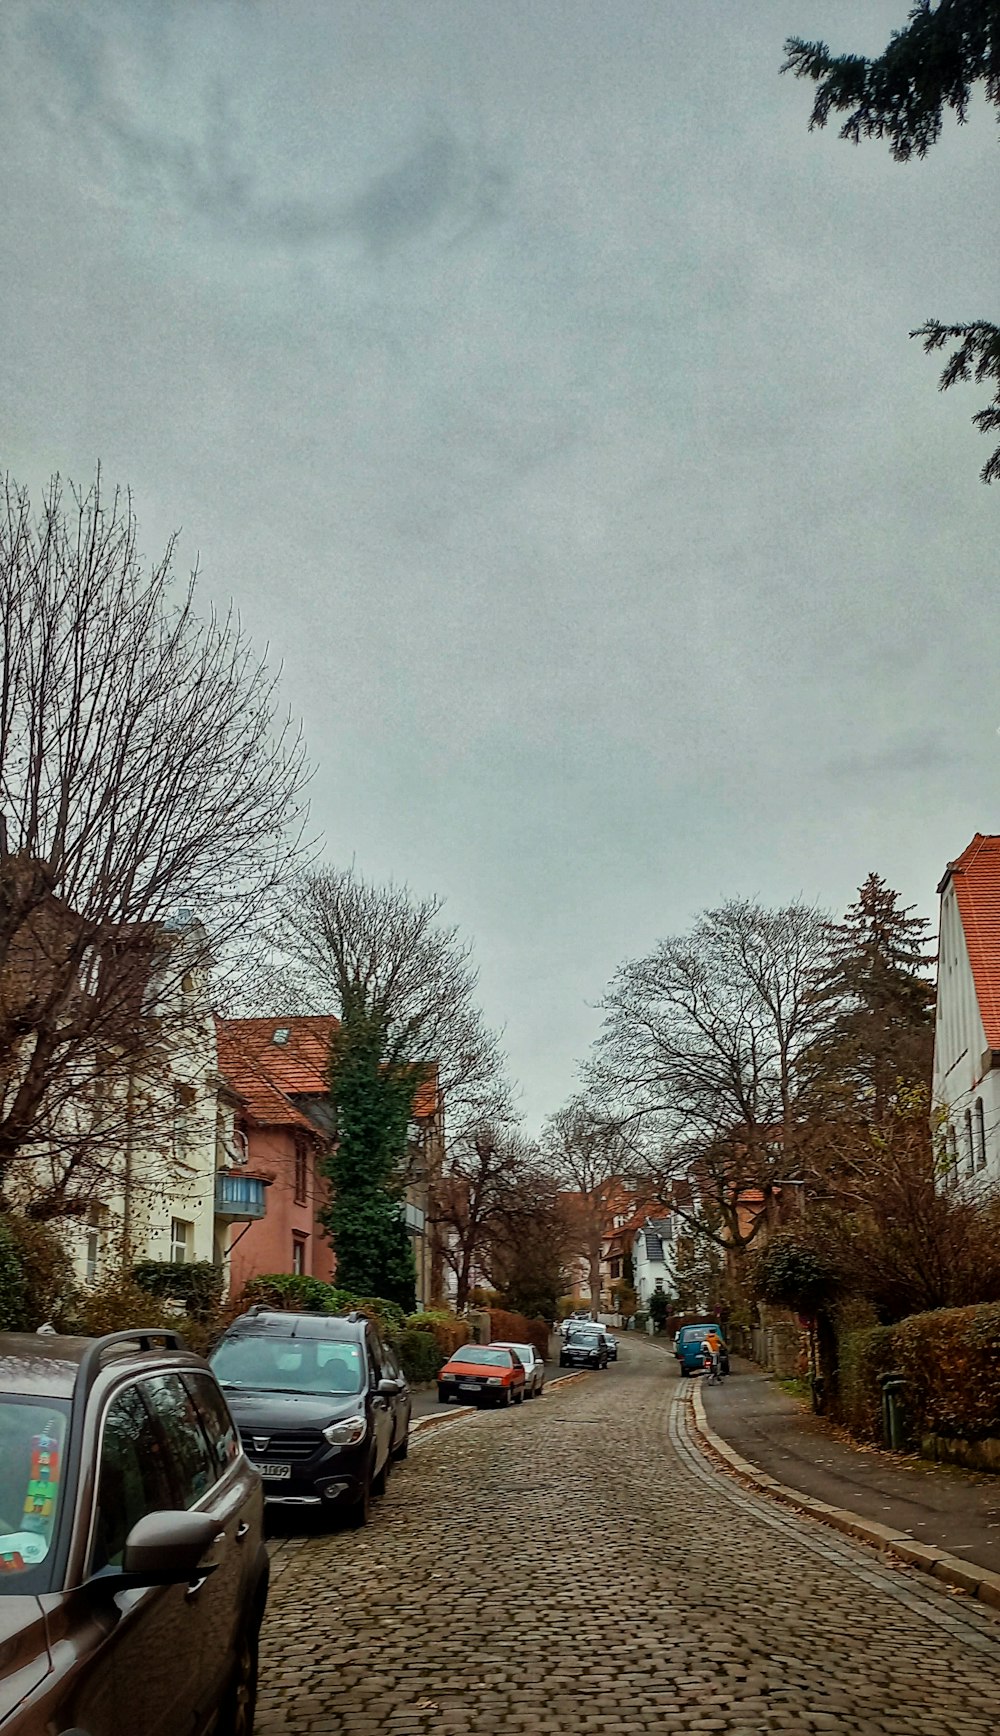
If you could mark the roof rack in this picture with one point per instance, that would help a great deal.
(146, 1337)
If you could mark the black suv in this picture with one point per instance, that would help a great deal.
(133, 1570)
(585, 1347)
(321, 1407)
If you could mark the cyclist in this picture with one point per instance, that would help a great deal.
(711, 1350)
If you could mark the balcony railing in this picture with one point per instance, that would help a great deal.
(240, 1198)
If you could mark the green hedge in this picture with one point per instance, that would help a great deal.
(196, 1283)
(419, 1353)
(294, 1291)
(950, 1360)
(864, 1354)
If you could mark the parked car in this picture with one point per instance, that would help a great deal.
(402, 1404)
(581, 1317)
(611, 1342)
(534, 1368)
(316, 1407)
(687, 1348)
(133, 1570)
(482, 1374)
(585, 1347)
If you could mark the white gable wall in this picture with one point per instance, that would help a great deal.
(969, 1096)
(651, 1275)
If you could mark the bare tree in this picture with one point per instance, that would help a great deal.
(706, 1056)
(348, 941)
(592, 1161)
(145, 793)
(473, 1199)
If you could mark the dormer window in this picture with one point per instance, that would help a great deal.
(281, 1036)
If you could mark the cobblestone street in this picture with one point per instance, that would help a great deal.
(576, 1565)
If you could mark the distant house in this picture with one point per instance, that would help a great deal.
(966, 1080)
(278, 1069)
(654, 1260)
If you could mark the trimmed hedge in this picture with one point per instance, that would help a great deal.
(863, 1355)
(950, 1360)
(293, 1291)
(419, 1353)
(516, 1329)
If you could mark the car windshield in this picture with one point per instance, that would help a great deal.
(306, 1365)
(585, 1335)
(493, 1358)
(32, 1434)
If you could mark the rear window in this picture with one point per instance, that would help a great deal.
(32, 1439)
(698, 1334)
(304, 1365)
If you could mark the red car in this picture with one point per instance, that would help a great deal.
(482, 1374)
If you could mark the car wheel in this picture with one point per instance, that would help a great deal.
(236, 1716)
(505, 1398)
(521, 1396)
(442, 1397)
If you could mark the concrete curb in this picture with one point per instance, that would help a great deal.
(964, 1576)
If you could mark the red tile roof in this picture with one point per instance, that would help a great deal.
(268, 1074)
(976, 876)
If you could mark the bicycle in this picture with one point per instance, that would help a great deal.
(714, 1371)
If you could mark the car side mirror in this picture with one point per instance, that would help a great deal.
(164, 1548)
(389, 1388)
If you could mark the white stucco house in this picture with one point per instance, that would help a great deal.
(966, 1080)
(162, 1176)
(654, 1260)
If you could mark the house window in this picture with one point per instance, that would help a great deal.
(970, 1162)
(980, 1135)
(659, 1283)
(301, 1170)
(616, 1268)
(952, 1171)
(299, 1255)
(181, 1237)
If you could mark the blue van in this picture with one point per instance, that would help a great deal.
(687, 1347)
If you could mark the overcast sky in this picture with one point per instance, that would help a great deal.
(539, 386)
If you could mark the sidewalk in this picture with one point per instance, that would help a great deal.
(944, 1509)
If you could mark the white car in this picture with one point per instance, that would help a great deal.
(534, 1368)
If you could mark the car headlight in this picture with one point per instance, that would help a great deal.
(346, 1434)
(448, 1376)
(494, 1380)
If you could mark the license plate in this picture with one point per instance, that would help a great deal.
(469, 1386)
(275, 1473)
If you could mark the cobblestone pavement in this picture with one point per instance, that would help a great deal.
(463, 1609)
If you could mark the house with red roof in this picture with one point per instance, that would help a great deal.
(966, 1080)
(277, 1069)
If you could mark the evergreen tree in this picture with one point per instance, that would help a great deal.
(372, 1102)
(901, 95)
(880, 1038)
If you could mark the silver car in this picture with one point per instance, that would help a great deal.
(534, 1368)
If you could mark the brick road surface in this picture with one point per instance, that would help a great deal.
(463, 1609)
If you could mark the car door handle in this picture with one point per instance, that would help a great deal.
(194, 1587)
(242, 1531)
